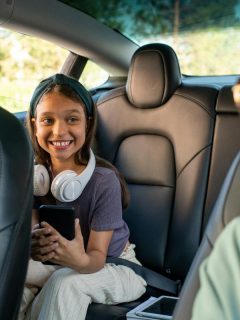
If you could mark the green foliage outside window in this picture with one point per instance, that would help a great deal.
(24, 61)
(205, 35)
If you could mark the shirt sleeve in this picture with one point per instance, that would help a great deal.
(107, 213)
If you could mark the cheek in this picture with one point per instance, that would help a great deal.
(82, 136)
(40, 134)
(81, 132)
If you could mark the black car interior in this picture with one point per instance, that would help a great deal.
(166, 171)
(163, 135)
(226, 208)
(174, 142)
(16, 195)
(226, 144)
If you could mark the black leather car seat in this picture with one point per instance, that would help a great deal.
(225, 205)
(16, 163)
(226, 208)
(226, 144)
(158, 132)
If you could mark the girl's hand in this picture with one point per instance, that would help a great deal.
(49, 244)
(70, 253)
(44, 241)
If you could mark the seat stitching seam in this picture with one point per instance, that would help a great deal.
(193, 157)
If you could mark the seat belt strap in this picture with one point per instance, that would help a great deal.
(153, 279)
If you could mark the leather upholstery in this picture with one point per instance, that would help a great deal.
(226, 145)
(225, 103)
(153, 76)
(16, 164)
(226, 208)
(159, 132)
(166, 170)
(222, 206)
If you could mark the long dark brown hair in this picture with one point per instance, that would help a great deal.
(82, 156)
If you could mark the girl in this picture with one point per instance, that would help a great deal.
(61, 123)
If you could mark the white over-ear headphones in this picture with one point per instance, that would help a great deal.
(67, 186)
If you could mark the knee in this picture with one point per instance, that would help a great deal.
(58, 279)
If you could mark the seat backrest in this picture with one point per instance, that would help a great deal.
(225, 205)
(226, 208)
(226, 144)
(16, 163)
(158, 133)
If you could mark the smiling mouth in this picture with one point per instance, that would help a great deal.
(61, 144)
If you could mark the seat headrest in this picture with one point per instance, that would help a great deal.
(154, 75)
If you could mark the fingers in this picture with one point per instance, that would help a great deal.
(41, 225)
(48, 244)
(43, 229)
(77, 222)
(37, 250)
(78, 233)
(39, 233)
(44, 253)
(43, 258)
(44, 242)
(77, 227)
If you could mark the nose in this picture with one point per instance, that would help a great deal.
(59, 128)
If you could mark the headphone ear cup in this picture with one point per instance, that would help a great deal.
(41, 180)
(66, 186)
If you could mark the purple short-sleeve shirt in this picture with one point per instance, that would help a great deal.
(99, 208)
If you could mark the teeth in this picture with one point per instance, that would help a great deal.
(60, 143)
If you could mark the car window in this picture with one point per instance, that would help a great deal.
(93, 75)
(24, 61)
(205, 34)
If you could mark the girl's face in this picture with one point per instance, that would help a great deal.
(60, 127)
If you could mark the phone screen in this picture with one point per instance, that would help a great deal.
(60, 217)
(160, 309)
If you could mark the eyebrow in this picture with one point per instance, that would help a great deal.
(66, 112)
(75, 110)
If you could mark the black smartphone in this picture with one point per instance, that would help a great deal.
(62, 218)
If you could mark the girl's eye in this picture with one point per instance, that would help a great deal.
(47, 121)
(72, 119)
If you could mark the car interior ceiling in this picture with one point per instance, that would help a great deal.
(168, 140)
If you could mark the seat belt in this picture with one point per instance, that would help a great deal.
(153, 279)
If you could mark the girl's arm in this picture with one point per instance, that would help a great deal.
(72, 253)
(97, 250)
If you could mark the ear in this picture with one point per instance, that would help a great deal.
(33, 121)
